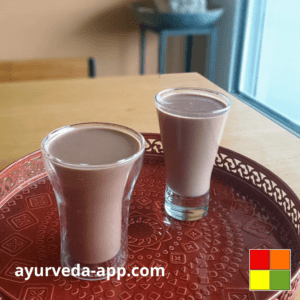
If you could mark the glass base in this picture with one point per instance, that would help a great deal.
(95, 271)
(186, 208)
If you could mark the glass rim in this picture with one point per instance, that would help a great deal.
(191, 90)
(56, 132)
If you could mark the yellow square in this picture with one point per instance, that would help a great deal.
(259, 280)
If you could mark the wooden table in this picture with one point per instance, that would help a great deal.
(29, 111)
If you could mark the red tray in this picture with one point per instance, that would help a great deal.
(250, 208)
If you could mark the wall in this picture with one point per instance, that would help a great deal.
(104, 29)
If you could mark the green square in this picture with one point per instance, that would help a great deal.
(280, 280)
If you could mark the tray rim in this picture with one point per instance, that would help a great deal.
(244, 159)
(156, 136)
(146, 134)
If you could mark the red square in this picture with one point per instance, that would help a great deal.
(259, 259)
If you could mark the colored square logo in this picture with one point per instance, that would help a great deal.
(259, 259)
(280, 280)
(270, 270)
(280, 259)
(259, 280)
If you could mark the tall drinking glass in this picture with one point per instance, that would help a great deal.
(191, 125)
(93, 168)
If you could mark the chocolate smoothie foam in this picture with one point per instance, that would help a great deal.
(92, 193)
(190, 142)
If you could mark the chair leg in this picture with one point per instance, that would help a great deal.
(188, 53)
(162, 53)
(92, 67)
(210, 60)
(142, 49)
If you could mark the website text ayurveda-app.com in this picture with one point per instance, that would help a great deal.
(109, 272)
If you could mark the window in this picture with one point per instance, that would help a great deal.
(266, 60)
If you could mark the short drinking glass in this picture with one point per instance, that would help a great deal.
(93, 168)
(191, 125)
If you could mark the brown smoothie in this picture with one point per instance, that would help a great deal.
(190, 142)
(92, 193)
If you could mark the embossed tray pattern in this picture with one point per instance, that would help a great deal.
(250, 208)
